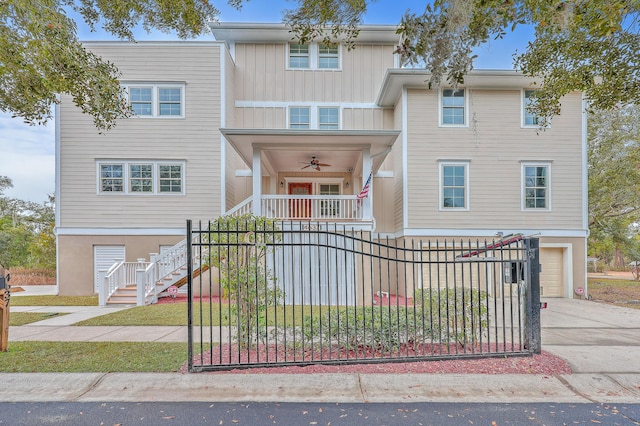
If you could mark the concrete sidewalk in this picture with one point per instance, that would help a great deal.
(600, 342)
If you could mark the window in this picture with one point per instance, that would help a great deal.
(170, 101)
(298, 56)
(156, 100)
(141, 177)
(141, 99)
(170, 178)
(111, 178)
(136, 177)
(299, 118)
(453, 107)
(528, 119)
(453, 186)
(329, 207)
(535, 182)
(328, 118)
(328, 56)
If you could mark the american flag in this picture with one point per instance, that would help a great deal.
(365, 189)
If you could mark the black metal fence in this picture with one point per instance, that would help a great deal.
(272, 293)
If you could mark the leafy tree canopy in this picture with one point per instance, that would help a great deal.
(41, 56)
(580, 45)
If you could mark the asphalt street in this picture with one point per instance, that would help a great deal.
(203, 413)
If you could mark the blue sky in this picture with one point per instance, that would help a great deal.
(27, 153)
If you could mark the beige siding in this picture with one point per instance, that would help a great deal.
(75, 257)
(194, 139)
(263, 76)
(495, 146)
(398, 166)
(261, 118)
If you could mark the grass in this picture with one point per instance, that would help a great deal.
(624, 293)
(54, 301)
(22, 318)
(92, 357)
(175, 314)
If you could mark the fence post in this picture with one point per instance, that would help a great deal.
(5, 295)
(189, 295)
(533, 328)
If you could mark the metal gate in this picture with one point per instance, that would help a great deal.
(273, 293)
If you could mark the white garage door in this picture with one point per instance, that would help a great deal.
(103, 258)
(552, 275)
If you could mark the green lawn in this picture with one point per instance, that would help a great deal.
(92, 357)
(176, 314)
(54, 300)
(616, 292)
(22, 318)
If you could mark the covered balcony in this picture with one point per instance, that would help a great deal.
(313, 175)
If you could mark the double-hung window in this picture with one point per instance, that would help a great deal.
(454, 184)
(141, 177)
(111, 178)
(299, 118)
(453, 105)
(328, 118)
(328, 56)
(528, 119)
(298, 55)
(156, 100)
(329, 208)
(535, 186)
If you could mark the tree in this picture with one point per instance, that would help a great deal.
(580, 45)
(41, 56)
(614, 182)
(26, 231)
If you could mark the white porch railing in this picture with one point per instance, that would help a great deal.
(312, 207)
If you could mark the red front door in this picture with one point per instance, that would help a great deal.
(300, 209)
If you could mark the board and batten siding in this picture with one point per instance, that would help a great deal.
(263, 75)
(495, 146)
(194, 139)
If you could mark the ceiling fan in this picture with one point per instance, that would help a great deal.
(315, 164)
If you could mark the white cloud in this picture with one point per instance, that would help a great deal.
(27, 156)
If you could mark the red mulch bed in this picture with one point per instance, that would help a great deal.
(544, 363)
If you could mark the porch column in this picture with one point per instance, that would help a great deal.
(257, 182)
(367, 211)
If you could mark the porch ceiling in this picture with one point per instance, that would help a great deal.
(288, 149)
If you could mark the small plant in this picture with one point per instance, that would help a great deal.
(238, 248)
(456, 314)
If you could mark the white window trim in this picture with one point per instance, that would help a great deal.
(311, 116)
(127, 181)
(524, 164)
(441, 165)
(466, 108)
(317, 108)
(314, 56)
(523, 112)
(155, 98)
(314, 115)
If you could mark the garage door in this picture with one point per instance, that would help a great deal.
(552, 275)
(103, 258)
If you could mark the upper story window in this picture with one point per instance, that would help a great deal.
(156, 100)
(454, 183)
(299, 118)
(328, 118)
(314, 56)
(535, 186)
(453, 107)
(298, 56)
(528, 119)
(328, 56)
(140, 177)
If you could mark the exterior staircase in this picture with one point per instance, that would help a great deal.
(143, 282)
